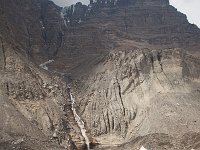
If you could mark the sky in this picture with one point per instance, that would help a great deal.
(188, 7)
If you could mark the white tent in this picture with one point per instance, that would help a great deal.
(142, 148)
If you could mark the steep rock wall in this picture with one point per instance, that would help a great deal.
(139, 92)
(41, 101)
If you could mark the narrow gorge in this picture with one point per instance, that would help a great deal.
(79, 121)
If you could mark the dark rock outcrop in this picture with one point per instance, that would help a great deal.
(35, 26)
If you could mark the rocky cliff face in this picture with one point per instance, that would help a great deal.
(35, 26)
(155, 22)
(148, 92)
(96, 29)
(148, 82)
(35, 105)
(133, 68)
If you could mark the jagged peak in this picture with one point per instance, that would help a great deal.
(153, 2)
(76, 13)
(126, 2)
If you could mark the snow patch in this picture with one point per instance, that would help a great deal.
(63, 17)
(42, 24)
(44, 65)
